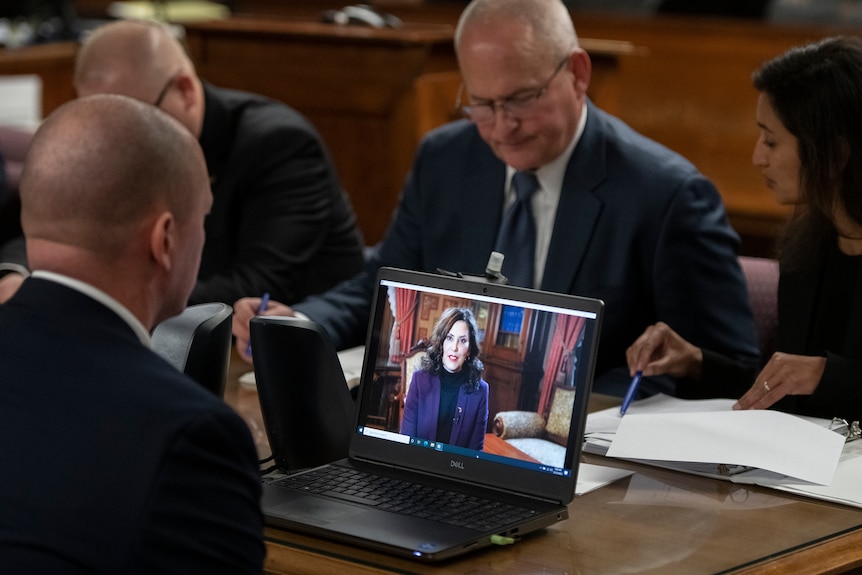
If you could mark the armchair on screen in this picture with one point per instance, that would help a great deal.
(541, 438)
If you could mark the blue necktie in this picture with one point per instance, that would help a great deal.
(516, 239)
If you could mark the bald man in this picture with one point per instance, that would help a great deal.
(113, 461)
(280, 221)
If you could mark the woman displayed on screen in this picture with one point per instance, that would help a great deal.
(447, 400)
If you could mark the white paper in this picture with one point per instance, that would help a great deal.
(764, 439)
(608, 420)
(351, 363)
(591, 477)
(846, 486)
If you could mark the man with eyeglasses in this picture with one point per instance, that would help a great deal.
(280, 221)
(616, 216)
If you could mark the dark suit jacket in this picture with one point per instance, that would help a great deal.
(637, 226)
(839, 393)
(280, 221)
(113, 461)
(422, 407)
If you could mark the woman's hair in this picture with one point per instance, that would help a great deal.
(433, 362)
(816, 93)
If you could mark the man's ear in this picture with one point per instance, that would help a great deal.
(163, 240)
(185, 84)
(581, 66)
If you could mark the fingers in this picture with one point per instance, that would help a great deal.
(785, 374)
(648, 349)
(761, 395)
(242, 348)
(243, 310)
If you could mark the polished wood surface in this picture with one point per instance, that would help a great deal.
(371, 93)
(656, 521)
(497, 446)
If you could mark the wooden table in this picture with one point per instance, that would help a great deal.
(656, 521)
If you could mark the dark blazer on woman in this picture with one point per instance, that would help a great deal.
(839, 393)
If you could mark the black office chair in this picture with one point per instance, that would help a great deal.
(198, 342)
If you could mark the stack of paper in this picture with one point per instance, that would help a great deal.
(707, 437)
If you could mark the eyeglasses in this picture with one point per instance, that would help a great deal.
(164, 91)
(518, 106)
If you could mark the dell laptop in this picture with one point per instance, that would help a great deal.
(433, 495)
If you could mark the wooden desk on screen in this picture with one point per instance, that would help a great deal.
(656, 521)
(371, 93)
(53, 63)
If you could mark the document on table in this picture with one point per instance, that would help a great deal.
(591, 477)
(706, 437)
(764, 439)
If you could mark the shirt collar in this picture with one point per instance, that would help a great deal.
(100, 297)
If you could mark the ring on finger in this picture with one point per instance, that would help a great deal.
(766, 386)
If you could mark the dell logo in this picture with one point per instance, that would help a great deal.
(458, 464)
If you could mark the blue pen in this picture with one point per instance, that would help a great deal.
(630, 393)
(264, 302)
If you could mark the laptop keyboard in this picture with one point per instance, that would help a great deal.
(407, 498)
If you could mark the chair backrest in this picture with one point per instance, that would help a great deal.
(197, 342)
(304, 399)
(761, 275)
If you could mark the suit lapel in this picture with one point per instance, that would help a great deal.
(579, 208)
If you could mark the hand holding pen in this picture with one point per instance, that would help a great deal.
(246, 308)
(660, 350)
(264, 303)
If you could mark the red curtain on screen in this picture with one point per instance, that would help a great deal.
(563, 343)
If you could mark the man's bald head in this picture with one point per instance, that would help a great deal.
(143, 60)
(97, 168)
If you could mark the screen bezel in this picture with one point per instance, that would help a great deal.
(493, 474)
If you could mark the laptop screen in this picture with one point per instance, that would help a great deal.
(469, 378)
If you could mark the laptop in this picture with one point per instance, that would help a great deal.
(538, 351)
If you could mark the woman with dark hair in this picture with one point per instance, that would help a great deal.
(809, 112)
(447, 400)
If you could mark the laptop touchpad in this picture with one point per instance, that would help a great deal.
(315, 510)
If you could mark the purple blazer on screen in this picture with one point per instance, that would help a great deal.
(422, 407)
